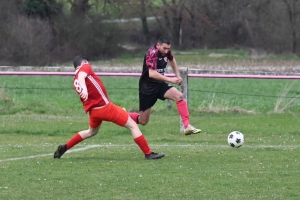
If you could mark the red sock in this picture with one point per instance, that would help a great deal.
(143, 144)
(183, 112)
(73, 141)
(134, 116)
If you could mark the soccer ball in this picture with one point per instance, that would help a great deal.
(235, 139)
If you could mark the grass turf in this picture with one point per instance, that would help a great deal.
(43, 112)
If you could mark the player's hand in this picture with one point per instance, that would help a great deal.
(176, 80)
(180, 80)
(84, 94)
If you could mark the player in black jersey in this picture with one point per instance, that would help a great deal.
(154, 85)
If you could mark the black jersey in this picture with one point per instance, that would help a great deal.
(153, 60)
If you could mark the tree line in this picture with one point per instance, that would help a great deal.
(44, 32)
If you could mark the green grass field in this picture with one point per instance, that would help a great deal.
(39, 113)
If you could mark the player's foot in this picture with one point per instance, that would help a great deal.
(191, 130)
(154, 156)
(61, 149)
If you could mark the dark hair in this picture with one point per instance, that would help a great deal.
(164, 39)
(78, 60)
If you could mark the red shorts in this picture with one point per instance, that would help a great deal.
(110, 113)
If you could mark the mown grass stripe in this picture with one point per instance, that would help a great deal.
(162, 145)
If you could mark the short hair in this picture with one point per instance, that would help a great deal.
(164, 39)
(78, 60)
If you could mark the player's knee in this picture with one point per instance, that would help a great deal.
(179, 97)
(92, 133)
(143, 121)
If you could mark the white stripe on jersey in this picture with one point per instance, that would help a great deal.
(98, 88)
(77, 69)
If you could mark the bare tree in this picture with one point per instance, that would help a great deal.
(293, 14)
(22, 39)
(80, 8)
(140, 7)
(34, 42)
(143, 16)
(200, 20)
(235, 15)
(175, 13)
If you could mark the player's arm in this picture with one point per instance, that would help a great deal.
(81, 79)
(157, 76)
(174, 67)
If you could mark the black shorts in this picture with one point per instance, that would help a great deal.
(147, 101)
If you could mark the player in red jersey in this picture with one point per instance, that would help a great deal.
(154, 85)
(96, 102)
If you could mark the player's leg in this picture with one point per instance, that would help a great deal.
(182, 108)
(144, 116)
(124, 120)
(80, 136)
(173, 94)
(77, 138)
(134, 116)
(146, 102)
(141, 141)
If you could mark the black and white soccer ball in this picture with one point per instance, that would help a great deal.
(235, 139)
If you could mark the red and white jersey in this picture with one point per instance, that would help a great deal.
(97, 95)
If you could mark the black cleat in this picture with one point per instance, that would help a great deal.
(61, 149)
(154, 156)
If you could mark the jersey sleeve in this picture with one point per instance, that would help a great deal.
(151, 59)
(86, 68)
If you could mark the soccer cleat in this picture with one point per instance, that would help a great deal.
(154, 156)
(191, 130)
(60, 151)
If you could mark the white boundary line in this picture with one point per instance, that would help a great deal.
(290, 147)
(51, 154)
